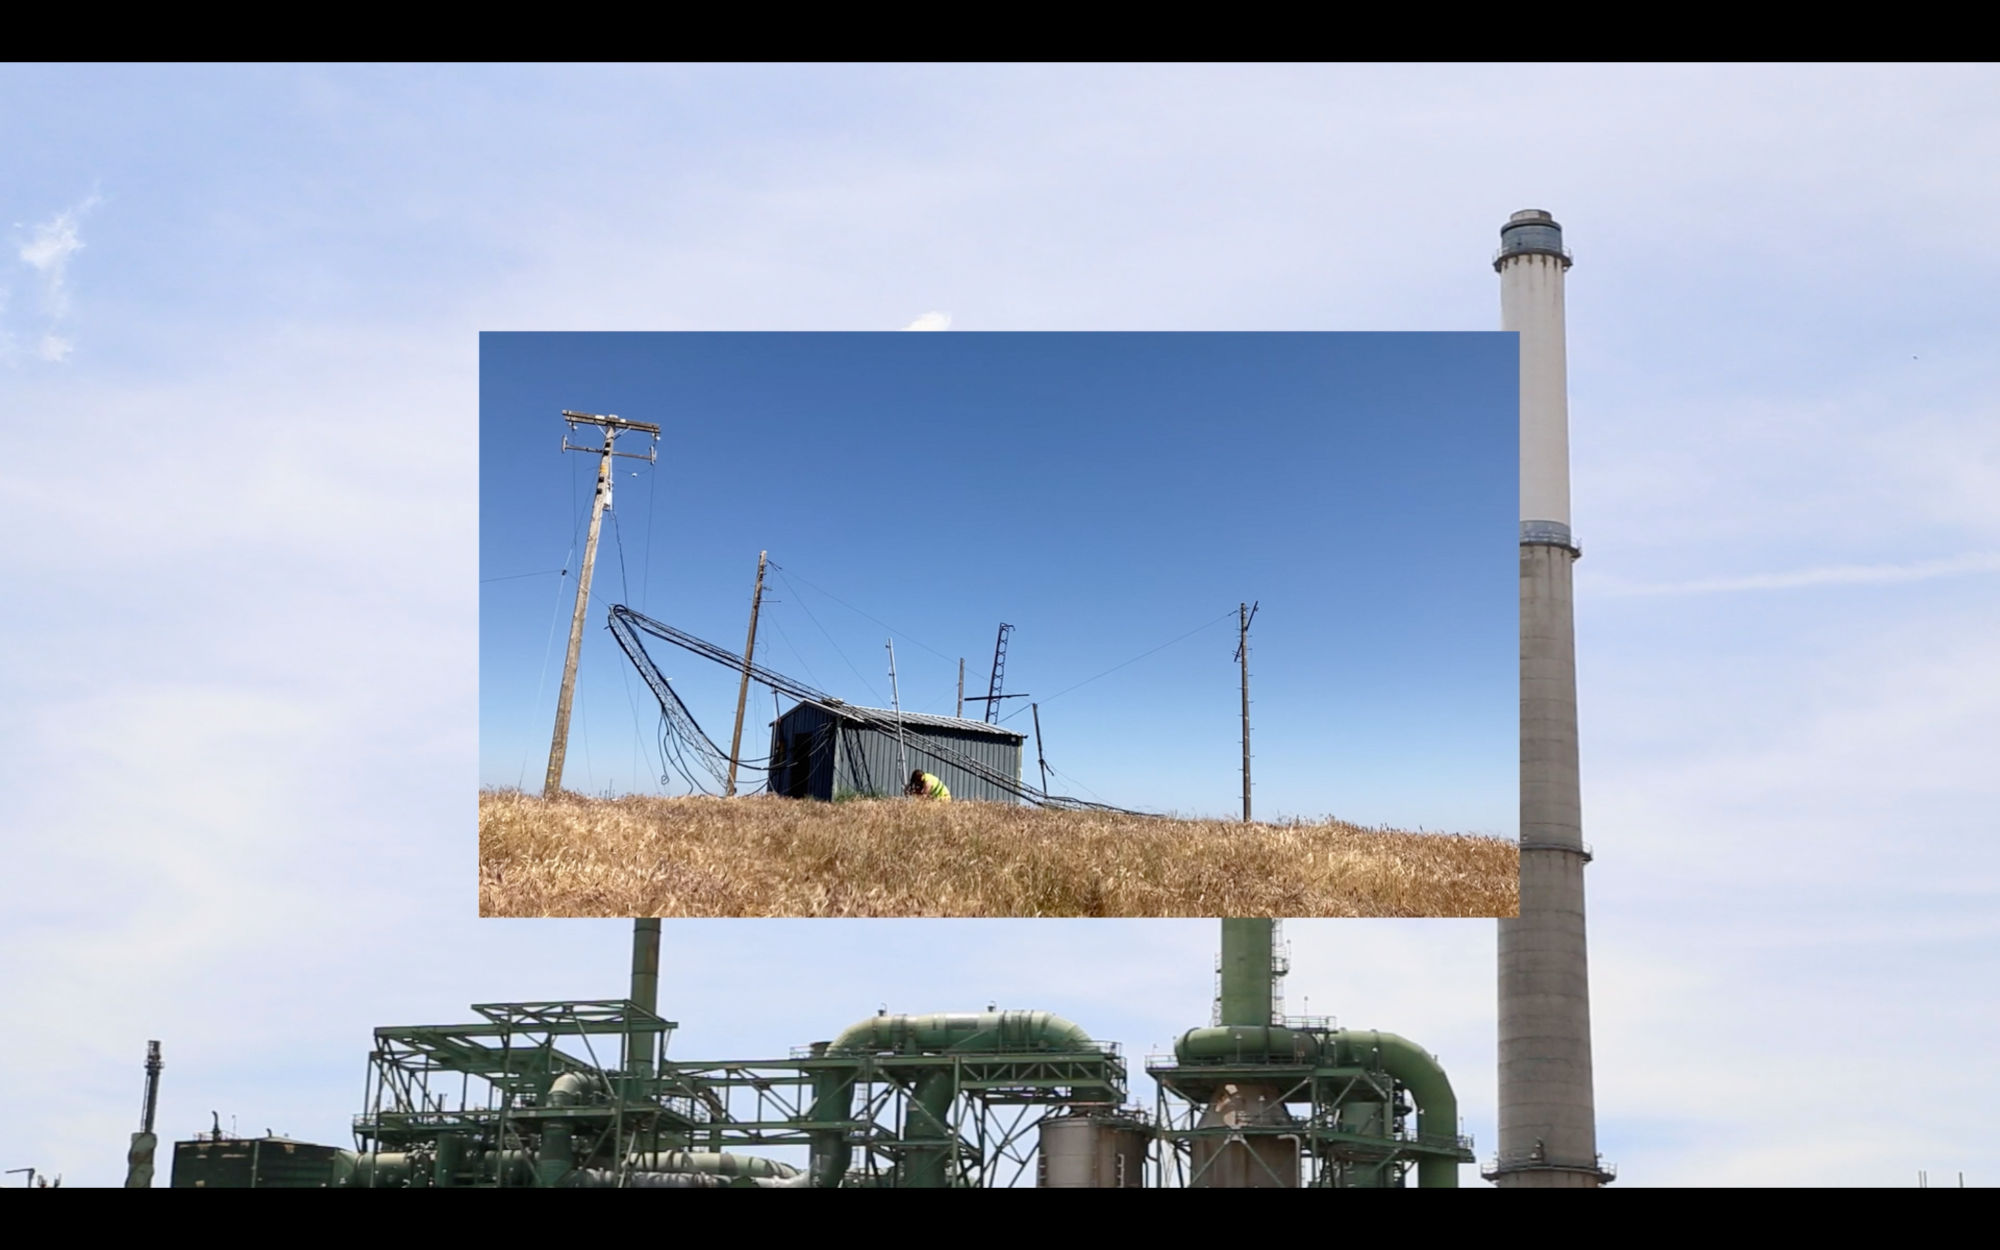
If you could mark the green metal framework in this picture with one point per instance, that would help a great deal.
(545, 1093)
(997, 1101)
(1337, 1149)
(438, 1096)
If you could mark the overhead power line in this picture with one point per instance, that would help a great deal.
(1134, 660)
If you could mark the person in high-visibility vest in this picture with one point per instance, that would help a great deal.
(924, 786)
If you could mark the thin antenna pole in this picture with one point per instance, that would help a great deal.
(1243, 615)
(153, 1066)
(896, 702)
(743, 691)
(1036, 708)
(961, 689)
(609, 426)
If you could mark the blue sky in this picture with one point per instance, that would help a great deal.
(239, 689)
(1103, 493)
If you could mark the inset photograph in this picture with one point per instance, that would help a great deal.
(999, 624)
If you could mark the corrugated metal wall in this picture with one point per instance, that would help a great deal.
(813, 756)
(867, 761)
(802, 754)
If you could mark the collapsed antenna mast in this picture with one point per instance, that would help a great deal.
(999, 670)
(992, 696)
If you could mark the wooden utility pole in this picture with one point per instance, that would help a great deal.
(610, 426)
(1040, 759)
(743, 691)
(961, 689)
(1243, 615)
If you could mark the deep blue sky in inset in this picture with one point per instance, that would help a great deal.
(1103, 493)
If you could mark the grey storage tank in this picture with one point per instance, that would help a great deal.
(1093, 1150)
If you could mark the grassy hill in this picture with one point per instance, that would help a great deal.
(686, 857)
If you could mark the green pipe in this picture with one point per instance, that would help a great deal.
(450, 1155)
(717, 1162)
(606, 1178)
(557, 1155)
(1408, 1063)
(1247, 970)
(928, 1121)
(640, 1044)
(1413, 1067)
(388, 1169)
(1266, 1043)
(981, 1032)
(1367, 1119)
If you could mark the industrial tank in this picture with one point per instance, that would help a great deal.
(1259, 1158)
(1093, 1151)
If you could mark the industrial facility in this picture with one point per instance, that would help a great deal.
(820, 752)
(585, 1094)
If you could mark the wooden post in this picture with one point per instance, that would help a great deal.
(743, 691)
(559, 745)
(1036, 708)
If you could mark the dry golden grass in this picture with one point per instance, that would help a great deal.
(576, 856)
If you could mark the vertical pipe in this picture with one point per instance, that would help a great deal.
(743, 690)
(1548, 1132)
(1247, 971)
(927, 1131)
(559, 745)
(640, 1046)
(961, 689)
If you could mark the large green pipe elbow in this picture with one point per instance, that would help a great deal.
(940, 1033)
(1408, 1063)
(558, 1138)
(1413, 1067)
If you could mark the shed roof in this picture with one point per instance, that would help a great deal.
(925, 720)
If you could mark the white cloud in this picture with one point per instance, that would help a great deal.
(931, 321)
(48, 251)
(1837, 575)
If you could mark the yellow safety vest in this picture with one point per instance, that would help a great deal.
(935, 788)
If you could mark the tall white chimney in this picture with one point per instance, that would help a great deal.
(1548, 1119)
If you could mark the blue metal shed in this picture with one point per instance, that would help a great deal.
(817, 753)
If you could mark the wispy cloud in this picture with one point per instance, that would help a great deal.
(48, 250)
(1831, 575)
(931, 321)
